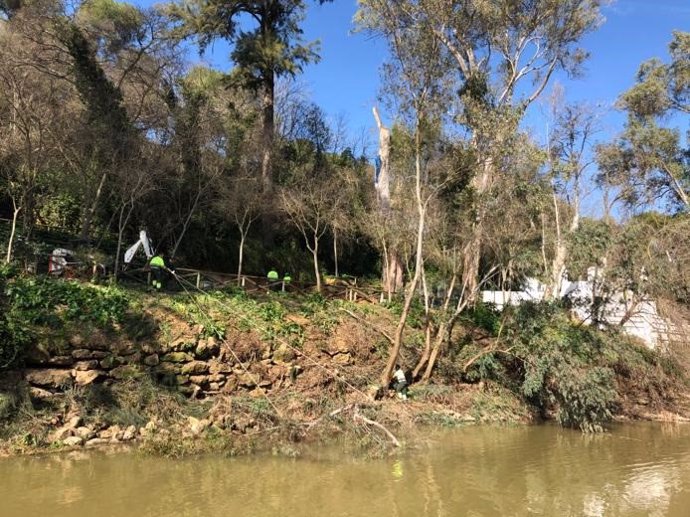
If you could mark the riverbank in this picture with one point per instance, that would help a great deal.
(179, 374)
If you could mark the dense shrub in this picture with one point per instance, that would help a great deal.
(561, 367)
(29, 303)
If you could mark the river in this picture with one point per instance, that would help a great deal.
(635, 470)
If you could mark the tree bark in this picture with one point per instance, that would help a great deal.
(392, 271)
(243, 235)
(315, 254)
(10, 242)
(472, 251)
(419, 265)
(91, 211)
(268, 129)
(335, 250)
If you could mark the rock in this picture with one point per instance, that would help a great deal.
(151, 360)
(109, 433)
(214, 386)
(148, 429)
(257, 393)
(84, 353)
(265, 383)
(72, 441)
(284, 353)
(74, 422)
(182, 379)
(197, 426)
(201, 380)
(198, 329)
(129, 434)
(177, 357)
(187, 390)
(207, 348)
(148, 348)
(84, 433)
(60, 435)
(215, 367)
(231, 385)
(88, 377)
(83, 366)
(127, 371)
(275, 373)
(134, 358)
(342, 358)
(195, 368)
(40, 394)
(179, 345)
(110, 362)
(296, 318)
(216, 377)
(123, 348)
(168, 368)
(61, 360)
(246, 380)
(96, 442)
(48, 378)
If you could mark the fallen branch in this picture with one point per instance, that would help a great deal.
(333, 413)
(368, 323)
(486, 352)
(358, 416)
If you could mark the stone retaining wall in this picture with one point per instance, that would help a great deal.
(196, 367)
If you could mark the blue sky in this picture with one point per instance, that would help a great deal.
(346, 80)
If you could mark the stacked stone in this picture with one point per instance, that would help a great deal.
(197, 367)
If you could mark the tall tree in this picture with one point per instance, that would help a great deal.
(648, 161)
(505, 53)
(568, 152)
(271, 49)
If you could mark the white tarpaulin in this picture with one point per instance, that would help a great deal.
(143, 241)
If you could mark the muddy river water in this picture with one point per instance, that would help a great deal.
(635, 470)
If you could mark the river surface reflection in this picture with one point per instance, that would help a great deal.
(636, 470)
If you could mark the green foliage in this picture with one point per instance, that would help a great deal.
(484, 316)
(558, 366)
(31, 303)
(36, 298)
(415, 319)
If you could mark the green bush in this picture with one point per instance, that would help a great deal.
(484, 316)
(29, 303)
(559, 367)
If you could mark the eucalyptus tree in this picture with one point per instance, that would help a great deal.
(416, 86)
(504, 54)
(648, 161)
(569, 146)
(272, 48)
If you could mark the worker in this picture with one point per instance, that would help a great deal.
(400, 384)
(286, 281)
(157, 264)
(273, 279)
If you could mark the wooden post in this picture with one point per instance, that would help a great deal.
(198, 280)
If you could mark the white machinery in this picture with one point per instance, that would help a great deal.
(144, 242)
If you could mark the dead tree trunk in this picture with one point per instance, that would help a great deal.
(393, 270)
(10, 242)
